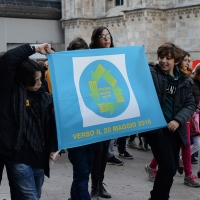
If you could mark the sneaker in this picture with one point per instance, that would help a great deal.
(194, 160)
(195, 154)
(114, 161)
(125, 155)
(132, 144)
(151, 173)
(198, 174)
(140, 147)
(191, 181)
(144, 144)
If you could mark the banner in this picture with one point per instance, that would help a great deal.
(101, 94)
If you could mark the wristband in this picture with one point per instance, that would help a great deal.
(33, 48)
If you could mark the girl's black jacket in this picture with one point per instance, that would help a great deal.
(184, 104)
(13, 96)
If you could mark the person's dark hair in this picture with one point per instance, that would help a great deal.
(41, 63)
(53, 49)
(184, 53)
(2, 53)
(27, 71)
(169, 49)
(197, 70)
(151, 64)
(95, 37)
(77, 43)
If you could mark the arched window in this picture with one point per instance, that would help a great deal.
(119, 2)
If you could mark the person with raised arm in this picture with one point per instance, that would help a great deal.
(28, 136)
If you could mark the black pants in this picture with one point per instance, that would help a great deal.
(165, 146)
(121, 142)
(99, 163)
(81, 159)
(132, 137)
(2, 163)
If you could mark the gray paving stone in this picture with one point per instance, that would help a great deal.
(123, 182)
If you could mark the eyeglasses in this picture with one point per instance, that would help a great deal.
(186, 60)
(107, 36)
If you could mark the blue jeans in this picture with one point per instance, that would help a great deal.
(13, 191)
(81, 159)
(28, 180)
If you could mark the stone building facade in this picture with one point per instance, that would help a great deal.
(136, 22)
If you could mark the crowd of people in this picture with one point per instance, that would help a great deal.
(28, 130)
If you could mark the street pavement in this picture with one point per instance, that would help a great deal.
(128, 182)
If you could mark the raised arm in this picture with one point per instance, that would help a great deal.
(11, 60)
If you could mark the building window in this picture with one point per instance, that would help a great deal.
(119, 2)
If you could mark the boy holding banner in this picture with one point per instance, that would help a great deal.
(80, 157)
(177, 102)
(27, 126)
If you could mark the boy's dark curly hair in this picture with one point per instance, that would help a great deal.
(27, 71)
(169, 49)
(77, 43)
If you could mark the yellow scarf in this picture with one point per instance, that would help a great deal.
(186, 72)
(49, 81)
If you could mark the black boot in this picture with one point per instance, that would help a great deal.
(94, 194)
(103, 193)
(95, 190)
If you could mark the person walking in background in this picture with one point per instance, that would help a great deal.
(142, 145)
(112, 160)
(47, 80)
(121, 142)
(80, 157)
(101, 38)
(177, 103)
(47, 74)
(131, 142)
(186, 157)
(44, 81)
(196, 92)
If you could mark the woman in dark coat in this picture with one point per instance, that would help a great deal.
(101, 38)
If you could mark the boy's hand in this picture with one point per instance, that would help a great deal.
(173, 125)
(54, 158)
(43, 48)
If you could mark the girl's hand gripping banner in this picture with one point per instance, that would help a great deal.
(101, 94)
